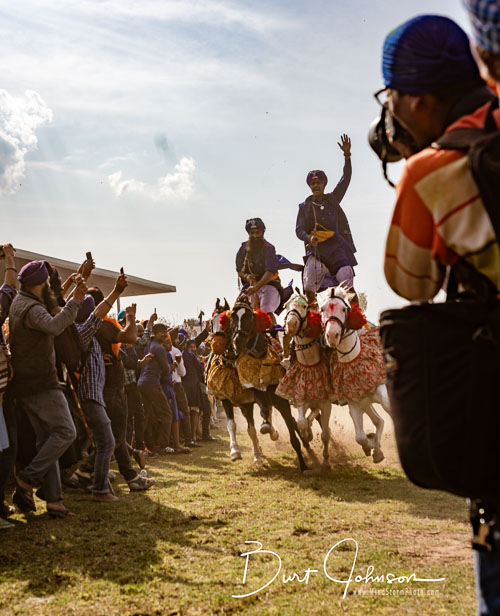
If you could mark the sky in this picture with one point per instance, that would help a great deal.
(148, 131)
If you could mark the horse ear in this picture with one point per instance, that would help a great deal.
(297, 290)
(217, 305)
(226, 304)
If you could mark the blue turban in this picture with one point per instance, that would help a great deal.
(86, 308)
(485, 19)
(254, 223)
(316, 175)
(33, 273)
(121, 315)
(427, 53)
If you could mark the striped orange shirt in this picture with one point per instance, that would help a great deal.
(439, 216)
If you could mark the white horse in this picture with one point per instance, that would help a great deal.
(357, 366)
(306, 383)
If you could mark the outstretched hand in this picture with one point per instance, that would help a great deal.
(345, 144)
(131, 310)
(120, 284)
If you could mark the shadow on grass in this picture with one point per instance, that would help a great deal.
(355, 484)
(124, 543)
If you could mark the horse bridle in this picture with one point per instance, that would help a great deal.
(241, 331)
(343, 335)
(302, 319)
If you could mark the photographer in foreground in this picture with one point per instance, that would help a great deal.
(441, 224)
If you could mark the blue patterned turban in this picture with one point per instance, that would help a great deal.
(426, 54)
(485, 19)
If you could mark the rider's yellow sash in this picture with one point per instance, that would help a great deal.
(323, 235)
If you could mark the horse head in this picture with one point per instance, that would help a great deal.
(242, 323)
(296, 308)
(334, 305)
(218, 310)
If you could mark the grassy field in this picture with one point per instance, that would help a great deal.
(176, 549)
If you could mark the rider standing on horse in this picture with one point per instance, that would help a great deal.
(257, 265)
(323, 227)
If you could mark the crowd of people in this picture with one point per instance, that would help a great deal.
(79, 388)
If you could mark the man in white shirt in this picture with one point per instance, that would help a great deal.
(178, 371)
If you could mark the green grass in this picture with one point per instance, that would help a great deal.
(176, 549)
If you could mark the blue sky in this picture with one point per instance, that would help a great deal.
(148, 132)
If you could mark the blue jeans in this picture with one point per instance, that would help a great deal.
(487, 570)
(49, 414)
(116, 409)
(104, 441)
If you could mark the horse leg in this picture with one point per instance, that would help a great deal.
(247, 410)
(378, 422)
(382, 397)
(264, 402)
(326, 409)
(231, 428)
(315, 412)
(284, 409)
(356, 413)
(303, 424)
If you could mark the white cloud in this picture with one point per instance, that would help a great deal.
(19, 119)
(178, 185)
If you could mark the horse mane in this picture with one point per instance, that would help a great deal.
(297, 298)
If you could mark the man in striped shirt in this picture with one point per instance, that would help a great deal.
(439, 215)
(433, 87)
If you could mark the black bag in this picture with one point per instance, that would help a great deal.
(443, 360)
(443, 379)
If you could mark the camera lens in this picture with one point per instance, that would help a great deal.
(377, 138)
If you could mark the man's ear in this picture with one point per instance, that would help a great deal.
(418, 103)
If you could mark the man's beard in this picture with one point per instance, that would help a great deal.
(255, 244)
(49, 299)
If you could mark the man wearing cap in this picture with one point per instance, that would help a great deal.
(36, 385)
(435, 219)
(323, 227)
(257, 265)
(432, 87)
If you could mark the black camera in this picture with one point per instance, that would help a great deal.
(378, 139)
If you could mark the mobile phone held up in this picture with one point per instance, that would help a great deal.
(88, 256)
(121, 270)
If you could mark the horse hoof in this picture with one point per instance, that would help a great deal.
(257, 462)
(265, 428)
(367, 450)
(275, 435)
(236, 455)
(378, 456)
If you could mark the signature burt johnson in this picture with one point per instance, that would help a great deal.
(387, 578)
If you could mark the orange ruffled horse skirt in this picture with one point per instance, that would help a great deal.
(306, 383)
(353, 380)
